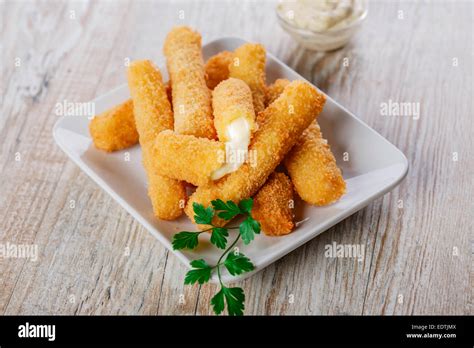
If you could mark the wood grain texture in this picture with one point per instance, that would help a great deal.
(94, 258)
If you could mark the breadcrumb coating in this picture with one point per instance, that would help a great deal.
(232, 99)
(248, 65)
(313, 169)
(274, 90)
(273, 206)
(217, 68)
(153, 114)
(186, 157)
(115, 128)
(284, 122)
(169, 94)
(191, 97)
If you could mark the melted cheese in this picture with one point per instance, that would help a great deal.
(238, 133)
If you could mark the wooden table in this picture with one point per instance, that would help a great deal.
(94, 258)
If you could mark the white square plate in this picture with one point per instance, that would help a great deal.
(375, 167)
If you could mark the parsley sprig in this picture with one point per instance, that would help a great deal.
(235, 262)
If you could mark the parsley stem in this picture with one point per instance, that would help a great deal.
(222, 256)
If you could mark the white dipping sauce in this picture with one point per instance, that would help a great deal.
(320, 15)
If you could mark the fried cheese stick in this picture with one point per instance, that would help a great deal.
(284, 122)
(186, 157)
(217, 68)
(232, 99)
(191, 97)
(115, 128)
(313, 169)
(153, 114)
(234, 120)
(273, 205)
(274, 90)
(248, 65)
(310, 163)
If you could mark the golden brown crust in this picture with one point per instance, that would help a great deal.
(217, 68)
(273, 206)
(151, 106)
(169, 93)
(273, 91)
(313, 169)
(186, 157)
(153, 114)
(232, 99)
(115, 128)
(284, 122)
(191, 97)
(248, 65)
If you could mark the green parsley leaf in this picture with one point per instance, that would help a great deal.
(248, 229)
(235, 263)
(203, 215)
(238, 263)
(217, 302)
(226, 210)
(255, 224)
(185, 240)
(219, 204)
(201, 274)
(246, 205)
(234, 297)
(218, 237)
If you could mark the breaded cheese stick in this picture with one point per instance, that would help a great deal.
(313, 169)
(186, 157)
(153, 114)
(310, 163)
(234, 120)
(191, 97)
(248, 65)
(284, 122)
(114, 129)
(232, 99)
(273, 205)
(217, 68)
(274, 90)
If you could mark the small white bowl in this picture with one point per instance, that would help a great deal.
(323, 40)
